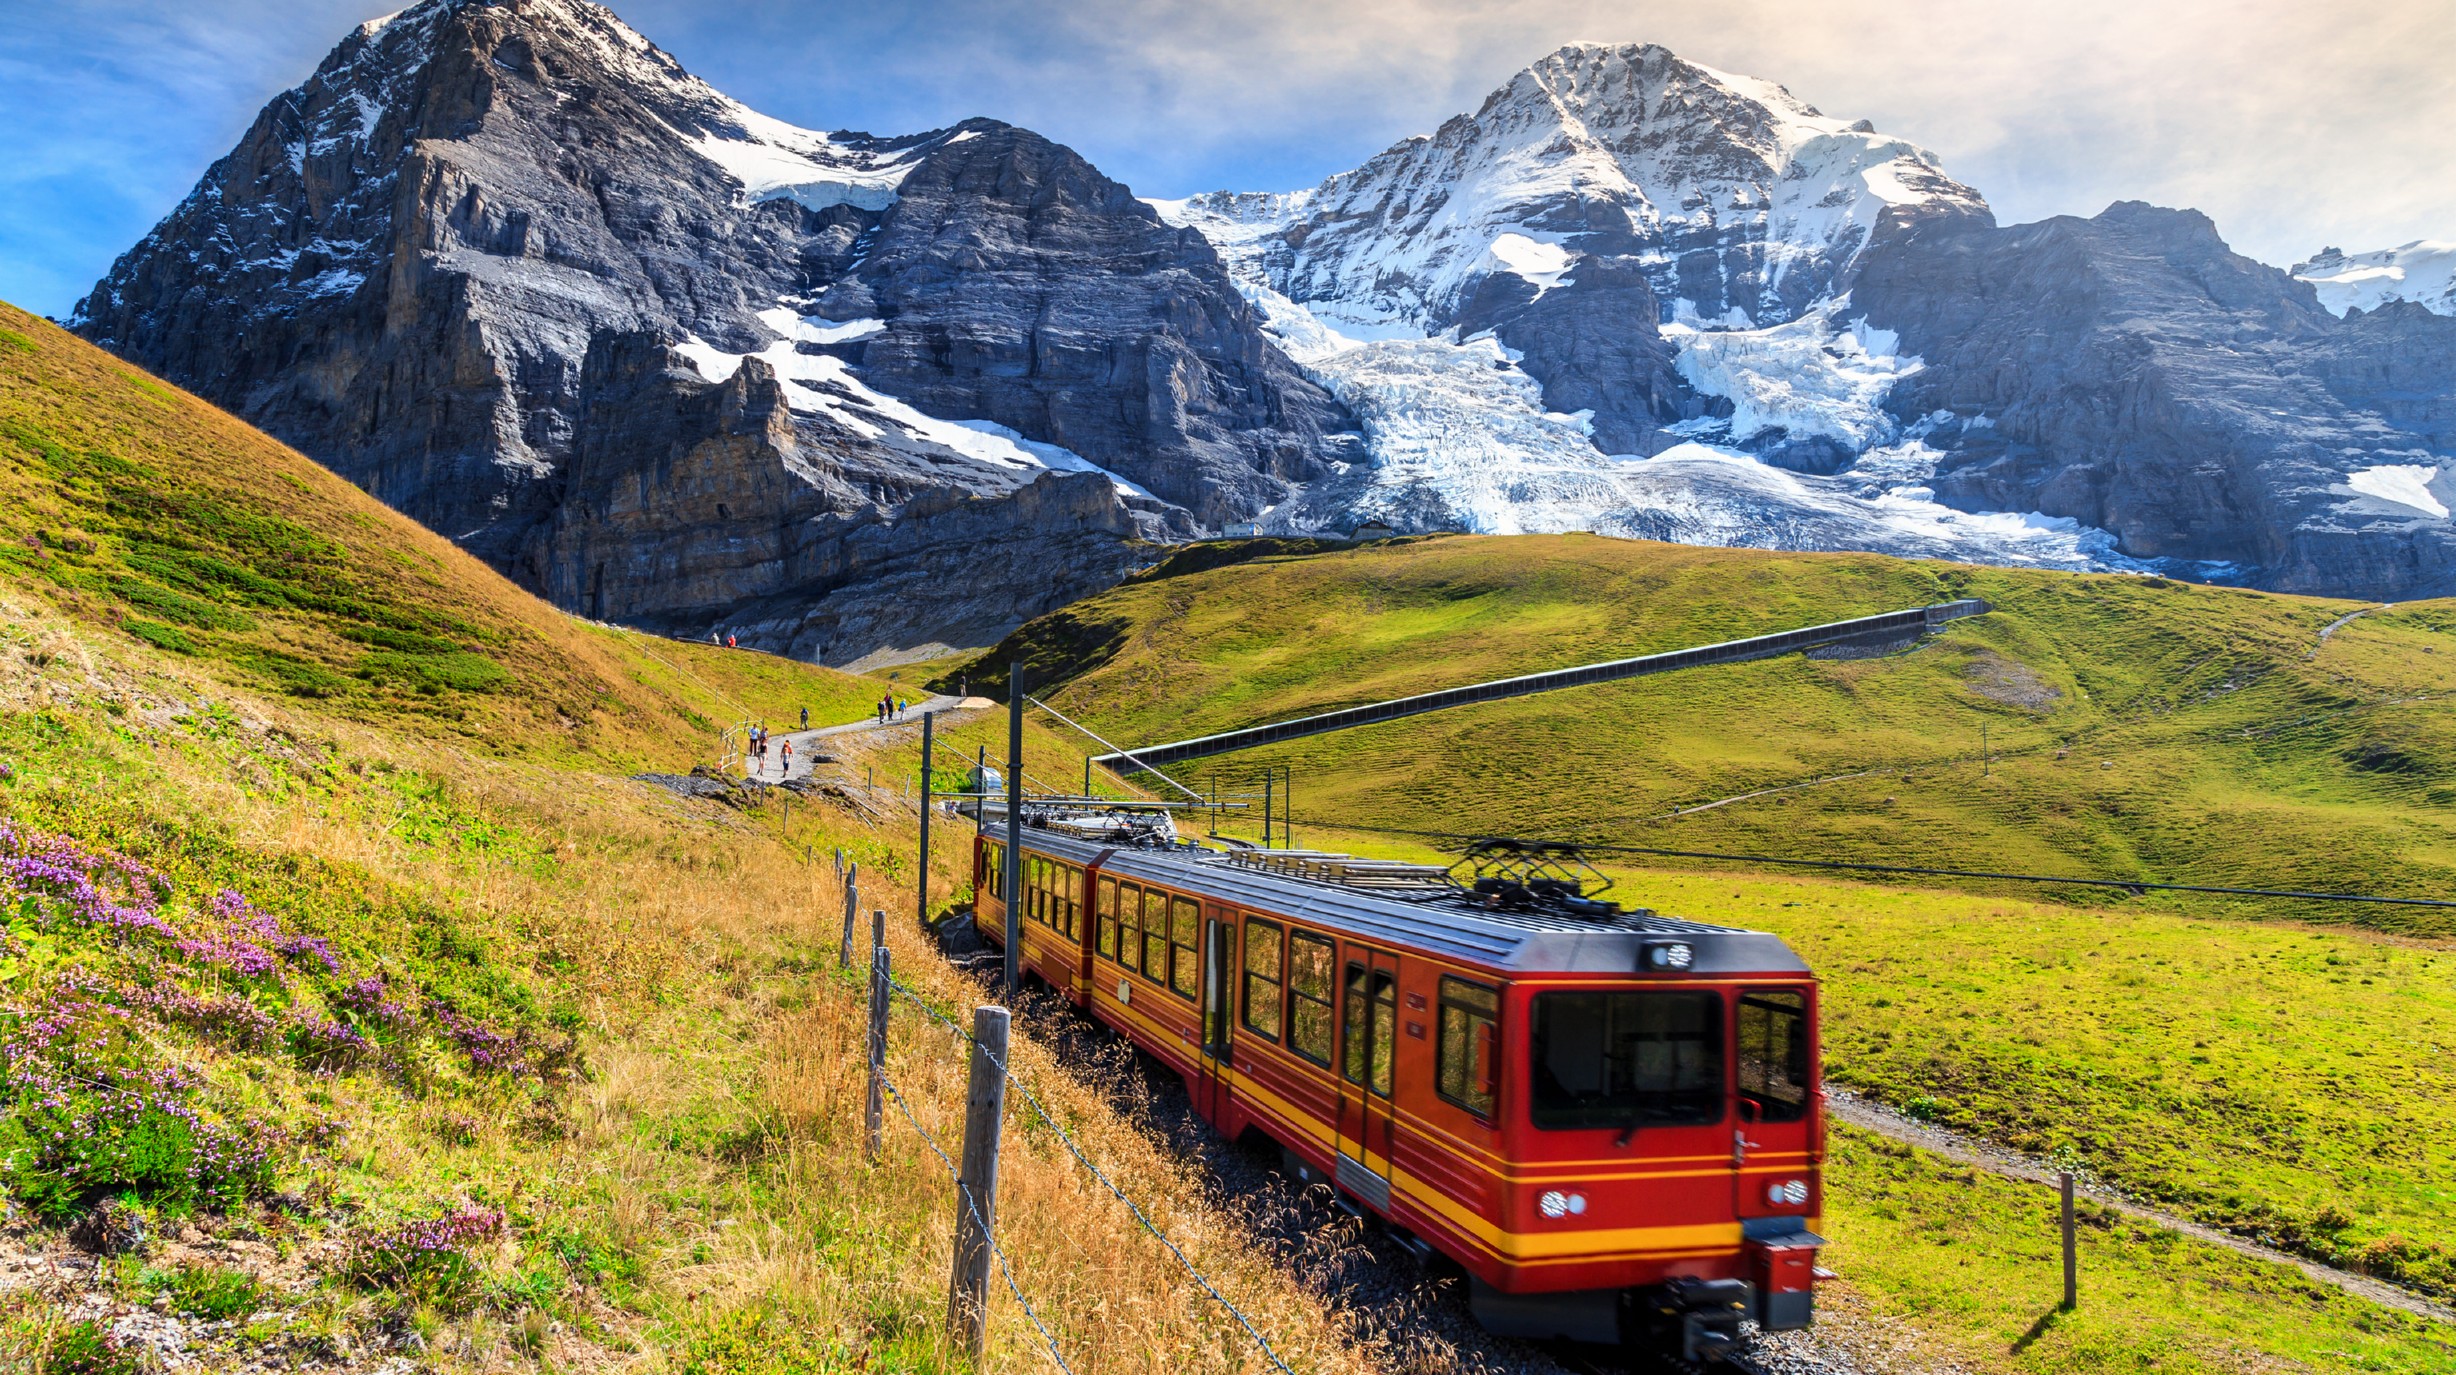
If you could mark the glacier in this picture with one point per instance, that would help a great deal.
(1746, 209)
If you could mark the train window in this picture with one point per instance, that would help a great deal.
(1309, 1021)
(1130, 927)
(1773, 1069)
(993, 871)
(1262, 978)
(1370, 1021)
(1468, 1065)
(1185, 920)
(1385, 1030)
(1155, 936)
(1074, 903)
(1106, 903)
(1034, 886)
(1627, 1059)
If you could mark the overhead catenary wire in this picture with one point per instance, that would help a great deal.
(2129, 884)
(1067, 1139)
(1104, 744)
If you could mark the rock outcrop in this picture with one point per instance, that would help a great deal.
(2132, 372)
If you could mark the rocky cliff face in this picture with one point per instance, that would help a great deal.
(459, 260)
(2133, 373)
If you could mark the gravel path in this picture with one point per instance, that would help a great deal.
(806, 748)
(1884, 1121)
(2343, 621)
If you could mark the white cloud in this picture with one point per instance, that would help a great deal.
(2293, 123)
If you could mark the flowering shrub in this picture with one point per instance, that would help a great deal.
(426, 1261)
(325, 1046)
(96, 1098)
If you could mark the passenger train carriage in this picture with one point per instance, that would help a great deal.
(1610, 1119)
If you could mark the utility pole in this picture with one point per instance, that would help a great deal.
(1268, 776)
(1014, 827)
(929, 721)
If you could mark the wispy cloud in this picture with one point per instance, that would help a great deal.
(2294, 123)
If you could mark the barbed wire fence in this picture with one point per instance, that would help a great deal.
(974, 1175)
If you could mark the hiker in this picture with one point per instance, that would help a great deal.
(901, 703)
(785, 762)
(729, 643)
(805, 718)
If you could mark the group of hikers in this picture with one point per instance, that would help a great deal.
(759, 749)
(885, 709)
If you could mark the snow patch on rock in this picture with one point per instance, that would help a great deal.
(821, 384)
(2406, 484)
(2423, 271)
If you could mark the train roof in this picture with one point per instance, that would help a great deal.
(1530, 941)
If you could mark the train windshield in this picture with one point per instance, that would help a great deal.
(1774, 1068)
(1624, 1059)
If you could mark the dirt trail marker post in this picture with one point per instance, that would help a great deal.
(2072, 1266)
(976, 1188)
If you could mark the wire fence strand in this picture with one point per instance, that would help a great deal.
(996, 1251)
(1067, 1139)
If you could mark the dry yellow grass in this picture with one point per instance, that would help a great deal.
(716, 1138)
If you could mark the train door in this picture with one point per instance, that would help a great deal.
(1774, 1073)
(1368, 1063)
(1218, 959)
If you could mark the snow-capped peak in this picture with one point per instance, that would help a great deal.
(2423, 271)
(1627, 149)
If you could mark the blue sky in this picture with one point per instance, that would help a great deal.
(2295, 124)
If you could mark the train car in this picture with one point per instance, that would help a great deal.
(1611, 1120)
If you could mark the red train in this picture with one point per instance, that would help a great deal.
(1612, 1120)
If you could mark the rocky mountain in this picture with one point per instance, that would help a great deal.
(512, 269)
(1637, 295)
(672, 362)
(2133, 373)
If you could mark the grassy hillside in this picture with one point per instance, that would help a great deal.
(340, 959)
(2138, 728)
(2263, 1076)
(128, 504)
(413, 1034)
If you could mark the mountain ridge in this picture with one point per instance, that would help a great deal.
(483, 259)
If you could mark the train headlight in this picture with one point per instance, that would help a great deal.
(1555, 1204)
(1666, 956)
(1790, 1192)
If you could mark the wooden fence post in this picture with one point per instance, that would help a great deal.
(875, 1112)
(976, 1189)
(2072, 1266)
(852, 908)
